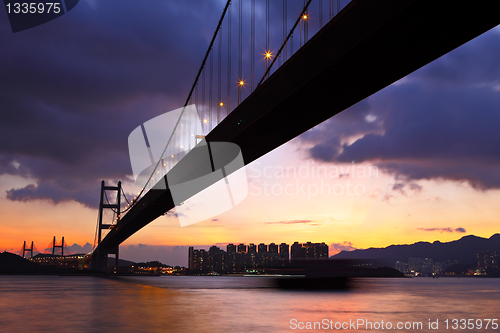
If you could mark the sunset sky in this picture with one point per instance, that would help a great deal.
(418, 161)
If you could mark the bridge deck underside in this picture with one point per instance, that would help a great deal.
(365, 48)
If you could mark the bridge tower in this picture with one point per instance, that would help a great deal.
(54, 246)
(100, 257)
(27, 250)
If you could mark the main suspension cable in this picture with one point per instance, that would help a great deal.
(288, 37)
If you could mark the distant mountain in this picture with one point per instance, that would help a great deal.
(464, 250)
(121, 262)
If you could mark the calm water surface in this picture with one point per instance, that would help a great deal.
(234, 304)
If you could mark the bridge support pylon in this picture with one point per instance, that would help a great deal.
(99, 259)
(54, 246)
(30, 250)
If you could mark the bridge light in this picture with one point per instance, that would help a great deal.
(305, 17)
(221, 104)
(205, 121)
(268, 54)
(172, 156)
(241, 83)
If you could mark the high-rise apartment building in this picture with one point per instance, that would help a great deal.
(309, 251)
(242, 248)
(284, 254)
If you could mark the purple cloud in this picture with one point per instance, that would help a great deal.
(291, 222)
(69, 97)
(73, 89)
(345, 246)
(440, 122)
(459, 230)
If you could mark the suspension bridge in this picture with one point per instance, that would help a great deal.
(54, 246)
(275, 69)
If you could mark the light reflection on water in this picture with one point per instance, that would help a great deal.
(236, 304)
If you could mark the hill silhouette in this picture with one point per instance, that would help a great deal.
(464, 250)
(13, 264)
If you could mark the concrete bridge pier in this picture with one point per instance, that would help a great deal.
(99, 260)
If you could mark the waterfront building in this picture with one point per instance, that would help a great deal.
(487, 263)
(284, 254)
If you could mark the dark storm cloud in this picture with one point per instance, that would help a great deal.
(73, 89)
(441, 122)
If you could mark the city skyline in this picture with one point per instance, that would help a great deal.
(415, 162)
(251, 258)
(178, 255)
